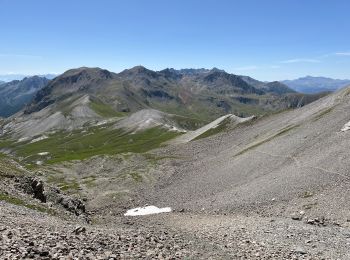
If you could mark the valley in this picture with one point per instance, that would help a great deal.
(91, 146)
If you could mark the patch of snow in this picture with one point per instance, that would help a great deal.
(148, 210)
(23, 139)
(102, 123)
(43, 137)
(39, 162)
(43, 153)
(174, 128)
(346, 127)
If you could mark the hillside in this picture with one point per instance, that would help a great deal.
(311, 84)
(15, 95)
(275, 158)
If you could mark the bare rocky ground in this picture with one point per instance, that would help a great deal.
(275, 188)
(29, 234)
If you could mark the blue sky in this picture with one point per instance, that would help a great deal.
(265, 39)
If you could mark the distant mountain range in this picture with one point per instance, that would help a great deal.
(16, 94)
(200, 94)
(311, 84)
(87, 112)
(139, 98)
(203, 94)
(11, 77)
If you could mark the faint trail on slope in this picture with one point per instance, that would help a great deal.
(281, 156)
(299, 164)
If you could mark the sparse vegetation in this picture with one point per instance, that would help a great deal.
(79, 145)
(8, 168)
(307, 194)
(136, 176)
(223, 126)
(322, 113)
(89, 181)
(16, 201)
(154, 158)
(189, 122)
(258, 143)
(72, 186)
(104, 110)
(69, 185)
(310, 205)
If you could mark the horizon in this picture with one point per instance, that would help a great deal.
(268, 41)
(18, 76)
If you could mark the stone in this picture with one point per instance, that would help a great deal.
(300, 250)
(78, 230)
(310, 221)
(295, 216)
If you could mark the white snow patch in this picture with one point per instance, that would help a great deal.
(43, 153)
(174, 128)
(101, 123)
(148, 210)
(23, 139)
(43, 137)
(39, 162)
(346, 127)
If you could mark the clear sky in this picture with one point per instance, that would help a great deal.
(265, 39)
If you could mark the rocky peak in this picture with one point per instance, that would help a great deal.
(138, 71)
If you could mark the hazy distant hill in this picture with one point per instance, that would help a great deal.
(11, 77)
(311, 84)
(273, 87)
(16, 94)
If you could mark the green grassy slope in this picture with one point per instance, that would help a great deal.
(78, 145)
(104, 110)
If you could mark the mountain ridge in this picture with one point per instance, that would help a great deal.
(16, 94)
(90, 96)
(167, 84)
